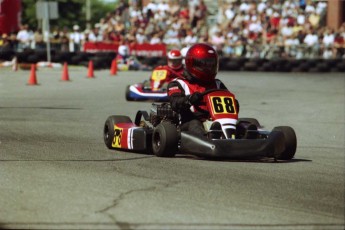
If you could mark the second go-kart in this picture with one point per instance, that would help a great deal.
(228, 136)
(154, 89)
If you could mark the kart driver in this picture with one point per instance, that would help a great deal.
(185, 92)
(162, 75)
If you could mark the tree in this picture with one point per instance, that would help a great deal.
(71, 12)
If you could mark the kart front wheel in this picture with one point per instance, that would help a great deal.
(165, 140)
(250, 121)
(109, 131)
(290, 142)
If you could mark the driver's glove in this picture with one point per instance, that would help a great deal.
(195, 98)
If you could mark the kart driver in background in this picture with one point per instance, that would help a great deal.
(185, 92)
(162, 75)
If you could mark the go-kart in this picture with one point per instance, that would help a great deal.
(227, 135)
(154, 89)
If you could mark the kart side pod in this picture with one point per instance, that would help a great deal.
(233, 148)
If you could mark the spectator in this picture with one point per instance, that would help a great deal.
(155, 39)
(151, 6)
(190, 39)
(95, 35)
(171, 37)
(197, 15)
(24, 38)
(291, 44)
(339, 46)
(230, 12)
(184, 15)
(163, 6)
(275, 20)
(5, 44)
(76, 39)
(65, 41)
(218, 41)
(123, 51)
(261, 6)
(38, 40)
(312, 42)
(314, 19)
(140, 36)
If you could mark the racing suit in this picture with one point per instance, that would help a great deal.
(180, 91)
(161, 76)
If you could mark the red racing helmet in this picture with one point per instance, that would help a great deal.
(174, 59)
(202, 62)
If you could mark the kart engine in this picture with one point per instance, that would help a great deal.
(160, 112)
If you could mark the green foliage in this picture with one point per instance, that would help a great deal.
(71, 12)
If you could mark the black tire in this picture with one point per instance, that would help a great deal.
(108, 130)
(250, 66)
(249, 120)
(290, 142)
(165, 140)
(232, 66)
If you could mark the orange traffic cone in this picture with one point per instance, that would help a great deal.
(90, 70)
(65, 76)
(113, 69)
(15, 64)
(32, 78)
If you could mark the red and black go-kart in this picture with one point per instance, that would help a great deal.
(227, 135)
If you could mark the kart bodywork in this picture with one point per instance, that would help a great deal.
(228, 136)
(154, 89)
(144, 92)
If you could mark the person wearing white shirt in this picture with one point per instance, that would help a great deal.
(291, 44)
(24, 38)
(155, 39)
(312, 42)
(190, 39)
(140, 36)
(153, 6)
(328, 39)
(230, 12)
(163, 6)
(261, 6)
(76, 38)
(95, 35)
(244, 6)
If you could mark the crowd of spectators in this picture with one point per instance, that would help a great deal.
(251, 28)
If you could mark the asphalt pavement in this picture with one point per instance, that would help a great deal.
(56, 172)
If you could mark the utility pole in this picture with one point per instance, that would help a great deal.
(88, 14)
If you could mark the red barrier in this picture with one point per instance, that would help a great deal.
(100, 47)
(147, 50)
(9, 16)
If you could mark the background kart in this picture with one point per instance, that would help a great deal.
(144, 92)
(227, 135)
(154, 89)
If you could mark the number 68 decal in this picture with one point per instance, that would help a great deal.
(117, 137)
(223, 104)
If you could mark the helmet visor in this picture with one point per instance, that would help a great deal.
(175, 63)
(206, 65)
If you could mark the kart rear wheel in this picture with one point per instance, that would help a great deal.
(128, 92)
(108, 130)
(165, 140)
(290, 142)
